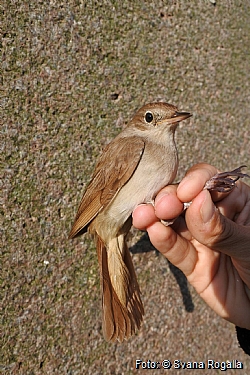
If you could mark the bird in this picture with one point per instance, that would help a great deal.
(131, 170)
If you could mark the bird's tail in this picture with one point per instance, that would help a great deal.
(122, 306)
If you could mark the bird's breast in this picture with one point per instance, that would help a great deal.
(156, 169)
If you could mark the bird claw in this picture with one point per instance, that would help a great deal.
(226, 181)
(166, 223)
(170, 222)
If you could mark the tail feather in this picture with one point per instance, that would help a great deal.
(121, 316)
(135, 305)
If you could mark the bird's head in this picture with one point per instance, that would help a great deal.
(158, 115)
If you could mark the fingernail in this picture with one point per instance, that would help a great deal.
(185, 179)
(160, 195)
(207, 208)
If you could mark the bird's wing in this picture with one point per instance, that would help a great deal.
(115, 167)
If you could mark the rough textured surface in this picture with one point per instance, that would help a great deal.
(72, 73)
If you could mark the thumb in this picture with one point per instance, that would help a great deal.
(208, 226)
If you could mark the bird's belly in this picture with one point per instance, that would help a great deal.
(142, 187)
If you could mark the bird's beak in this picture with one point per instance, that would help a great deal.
(177, 117)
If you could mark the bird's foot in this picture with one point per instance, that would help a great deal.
(226, 181)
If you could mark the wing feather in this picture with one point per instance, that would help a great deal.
(115, 167)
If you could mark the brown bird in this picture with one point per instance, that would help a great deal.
(132, 169)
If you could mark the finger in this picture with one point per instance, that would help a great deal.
(236, 206)
(167, 204)
(167, 207)
(143, 216)
(214, 230)
(194, 181)
(180, 227)
(175, 248)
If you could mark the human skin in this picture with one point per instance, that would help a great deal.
(210, 244)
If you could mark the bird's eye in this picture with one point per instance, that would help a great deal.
(149, 117)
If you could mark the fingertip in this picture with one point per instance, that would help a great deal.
(203, 218)
(143, 216)
(207, 208)
(198, 212)
(167, 205)
(194, 181)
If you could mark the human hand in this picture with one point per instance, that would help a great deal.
(211, 244)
